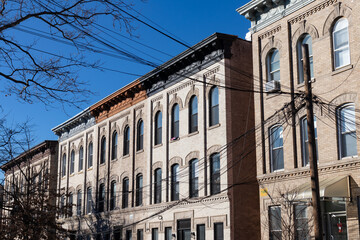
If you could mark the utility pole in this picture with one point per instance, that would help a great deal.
(312, 145)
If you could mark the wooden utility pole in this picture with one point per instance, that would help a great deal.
(312, 145)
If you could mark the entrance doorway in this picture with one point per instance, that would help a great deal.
(336, 226)
(184, 229)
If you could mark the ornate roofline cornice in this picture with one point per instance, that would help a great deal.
(78, 119)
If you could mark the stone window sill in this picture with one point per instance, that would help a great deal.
(158, 145)
(342, 69)
(193, 133)
(214, 126)
(140, 151)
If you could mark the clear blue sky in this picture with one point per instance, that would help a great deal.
(189, 20)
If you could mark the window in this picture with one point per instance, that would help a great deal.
(184, 229)
(103, 150)
(81, 158)
(89, 204)
(63, 170)
(175, 182)
(128, 235)
(341, 50)
(72, 162)
(214, 106)
(117, 233)
(193, 114)
(347, 131)
(101, 197)
(215, 173)
(200, 232)
(175, 121)
(301, 222)
(114, 143)
(194, 178)
(70, 202)
(305, 39)
(125, 193)
(62, 204)
(78, 203)
(168, 233)
(90, 155)
(158, 128)
(218, 231)
(275, 223)
(140, 135)
(140, 234)
(112, 195)
(157, 186)
(126, 147)
(139, 189)
(273, 65)
(305, 140)
(154, 234)
(276, 148)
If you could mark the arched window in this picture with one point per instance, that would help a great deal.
(139, 189)
(114, 143)
(273, 65)
(215, 173)
(140, 135)
(194, 178)
(103, 150)
(72, 162)
(157, 185)
(347, 131)
(341, 49)
(193, 114)
(63, 170)
(175, 182)
(305, 39)
(125, 193)
(101, 197)
(305, 140)
(175, 121)
(126, 147)
(158, 128)
(78, 203)
(70, 202)
(214, 106)
(276, 148)
(89, 204)
(90, 155)
(81, 158)
(113, 195)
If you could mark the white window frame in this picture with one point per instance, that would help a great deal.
(270, 71)
(275, 148)
(347, 47)
(341, 133)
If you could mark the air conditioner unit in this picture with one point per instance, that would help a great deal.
(272, 86)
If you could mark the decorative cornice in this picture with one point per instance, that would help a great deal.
(271, 32)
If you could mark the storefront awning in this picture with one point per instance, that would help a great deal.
(330, 187)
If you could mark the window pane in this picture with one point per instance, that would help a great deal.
(128, 235)
(112, 195)
(90, 160)
(277, 137)
(215, 173)
(348, 131)
(81, 158)
(194, 178)
(174, 182)
(275, 223)
(342, 57)
(168, 233)
(101, 198)
(157, 186)
(301, 222)
(200, 232)
(103, 150)
(158, 128)
(139, 185)
(72, 162)
(78, 203)
(140, 234)
(125, 193)
(114, 145)
(214, 106)
(218, 231)
(193, 121)
(126, 146)
(154, 234)
(348, 142)
(140, 136)
(175, 121)
(63, 171)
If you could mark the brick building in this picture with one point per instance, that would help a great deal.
(331, 29)
(163, 157)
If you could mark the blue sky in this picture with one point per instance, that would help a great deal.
(189, 20)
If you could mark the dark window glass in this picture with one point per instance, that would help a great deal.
(128, 235)
(114, 144)
(72, 162)
(168, 233)
(273, 65)
(103, 150)
(275, 223)
(140, 136)
(125, 193)
(101, 198)
(71, 202)
(81, 158)
(306, 39)
(276, 146)
(218, 231)
(194, 178)
(193, 114)
(117, 233)
(78, 203)
(158, 128)
(89, 204)
(305, 140)
(62, 204)
(215, 173)
(301, 222)
(214, 106)
(126, 149)
(154, 234)
(139, 189)
(347, 131)
(184, 229)
(90, 155)
(140, 234)
(63, 170)
(113, 195)
(175, 182)
(200, 232)
(175, 121)
(157, 186)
